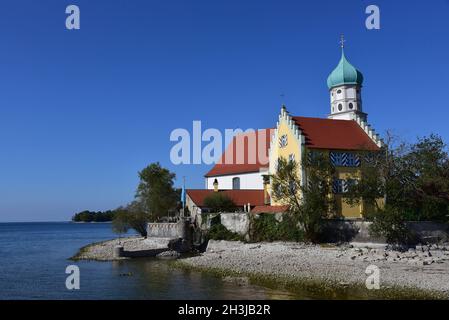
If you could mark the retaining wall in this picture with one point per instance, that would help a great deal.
(175, 230)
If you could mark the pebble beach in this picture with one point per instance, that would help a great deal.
(424, 269)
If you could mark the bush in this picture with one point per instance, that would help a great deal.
(125, 219)
(267, 228)
(390, 223)
(219, 202)
(219, 232)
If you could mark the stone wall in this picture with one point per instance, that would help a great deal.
(430, 232)
(346, 230)
(175, 230)
(235, 222)
(358, 231)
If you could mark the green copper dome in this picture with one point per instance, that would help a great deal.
(344, 73)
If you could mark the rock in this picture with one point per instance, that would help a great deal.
(428, 261)
(391, 259)
(416, 262)
(171, 254)
(378, 257)
(179, 245)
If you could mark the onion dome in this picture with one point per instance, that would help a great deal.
(344, 73)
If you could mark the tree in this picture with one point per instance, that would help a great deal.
(120, 223)
(155, 192)
(91, 216)
(413, 180)
(428, 162)
(134, 217)
(309, 204)
(219, 202)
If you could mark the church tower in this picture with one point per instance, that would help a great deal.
(345, 88)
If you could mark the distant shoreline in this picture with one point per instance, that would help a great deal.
(90, 221)
(66, 221)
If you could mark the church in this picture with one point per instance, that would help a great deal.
(343, 135)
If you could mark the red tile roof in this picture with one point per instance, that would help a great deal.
(269, 209)
(240, 197)
(319, 134)
(240, 158)
(334, 134)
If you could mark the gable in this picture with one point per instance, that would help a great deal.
(248, 152)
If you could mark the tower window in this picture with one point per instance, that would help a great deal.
(351, 106)
(340, 107)
(339, 91)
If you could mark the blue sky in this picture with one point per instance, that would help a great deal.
(81, 112)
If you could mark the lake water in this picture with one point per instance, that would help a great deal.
(34, 257)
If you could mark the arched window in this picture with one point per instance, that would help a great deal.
(236, 183)
(340, 107)
(351, 106)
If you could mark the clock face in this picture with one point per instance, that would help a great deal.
(283, 141)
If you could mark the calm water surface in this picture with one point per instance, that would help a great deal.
(34, 256)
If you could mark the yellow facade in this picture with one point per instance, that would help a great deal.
(294, 147)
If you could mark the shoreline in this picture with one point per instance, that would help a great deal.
(312, 271)
(322, 272)
(104, 250)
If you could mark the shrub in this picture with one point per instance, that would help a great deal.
(219, 202)
(267, 228)
(310, 204)
(219, 232)
(390, 223)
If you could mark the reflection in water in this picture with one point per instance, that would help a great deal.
(152, 278)
(156, 279)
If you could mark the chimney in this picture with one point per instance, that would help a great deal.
(215, 185)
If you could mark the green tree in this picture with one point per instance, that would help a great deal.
(219, 202)
(91, 216)
(413, 180)
(131, 217)
(428, 162)
(155, 193)
(309, 204)
(120, 223)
